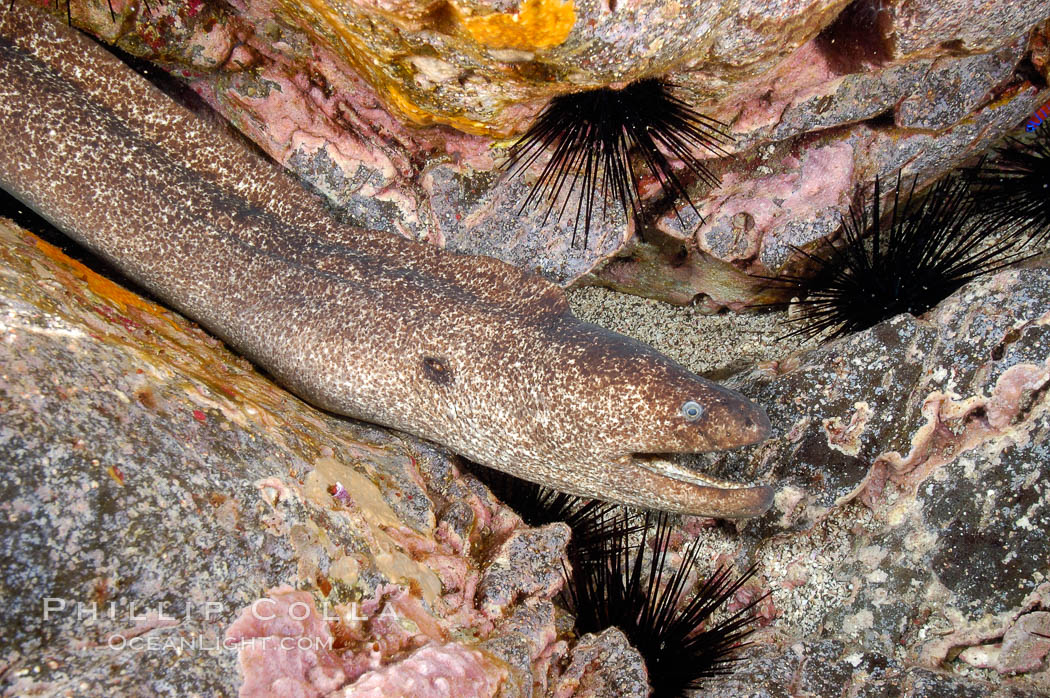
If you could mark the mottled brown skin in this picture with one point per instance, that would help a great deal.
(467, 351)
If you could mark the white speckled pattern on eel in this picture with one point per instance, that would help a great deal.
(466, 351)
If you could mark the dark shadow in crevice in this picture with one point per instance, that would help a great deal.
(854, 42)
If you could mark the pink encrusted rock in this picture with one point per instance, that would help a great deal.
(530, 644)
(749, 214)
(285, 647)
(435, 671)
(502, 583)
(1025, 645)
(603, 664)
(913, 457)
(400, 121)
(911, 26)
(784, 195)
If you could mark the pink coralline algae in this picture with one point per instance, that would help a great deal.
(289, 648)
(435, 671)
(285, 647)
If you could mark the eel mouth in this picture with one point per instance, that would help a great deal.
(697, 493)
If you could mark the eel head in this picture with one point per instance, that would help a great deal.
(665, 409)
(601, 414)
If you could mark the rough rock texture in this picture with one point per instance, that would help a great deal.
(372, 103)
(837, 668)
(906, 552)
(911, 27)
(603, 665)
(910, 521)
(286, 647)
(155, 487)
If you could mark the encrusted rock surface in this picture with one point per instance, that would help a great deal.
(931, 25)
(156, 488)
(913, 499)
(905, 555)
(837, 668)
(603, 665)
(907, 551)
(391, 108)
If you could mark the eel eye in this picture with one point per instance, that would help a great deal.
(692, 411)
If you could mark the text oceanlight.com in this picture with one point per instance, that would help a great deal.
(158, 617)
(154, 643)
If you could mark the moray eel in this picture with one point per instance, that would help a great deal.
(469, 352)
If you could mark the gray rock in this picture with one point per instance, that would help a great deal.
(362, 104)
(835, 668)
(603, 665)
(912, 465)
(953, 88)
(967, 25)
(156, 486)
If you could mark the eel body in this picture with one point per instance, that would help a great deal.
(469, 352)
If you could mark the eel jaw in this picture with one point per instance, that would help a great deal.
(690, 492)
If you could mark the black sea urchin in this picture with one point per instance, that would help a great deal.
(925, 250)
(591, 521)
(661, 617)
(1015, 183)
(591, 135)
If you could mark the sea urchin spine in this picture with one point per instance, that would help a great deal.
(906, 262)
(590, 521)
(1015, 183)
(626, 588)
(590, 136)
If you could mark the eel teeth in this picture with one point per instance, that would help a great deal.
(664, 467)
(715, 497)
